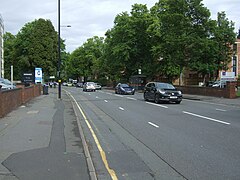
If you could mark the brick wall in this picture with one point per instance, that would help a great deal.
(11, 99)
(228, 92)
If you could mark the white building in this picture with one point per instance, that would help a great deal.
(1, 47)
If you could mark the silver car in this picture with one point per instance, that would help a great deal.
(6, 84)
(89, 86)
(98, 86)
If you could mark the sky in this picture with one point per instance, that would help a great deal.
(89, 18)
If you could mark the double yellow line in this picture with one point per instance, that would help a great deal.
(102, 153)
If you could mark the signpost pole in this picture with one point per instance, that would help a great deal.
(12, 76)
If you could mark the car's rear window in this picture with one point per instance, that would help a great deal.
(165, 86)
(124, 85)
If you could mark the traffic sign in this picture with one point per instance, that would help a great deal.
(38, 75)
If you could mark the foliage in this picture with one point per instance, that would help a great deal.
(127, 44)
(180, 31)
(9, 54)
(86, 60)
(224, 38)
(36, 46)
(162, 42)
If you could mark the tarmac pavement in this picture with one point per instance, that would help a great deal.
(41, 140)
(210, 99)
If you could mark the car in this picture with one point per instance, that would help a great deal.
(98, 86)
(219, 84)
(64, 84)
(7, 84)
(89, 86)
(79, 85)
(124, 89)
(69, 84)
(161, 92)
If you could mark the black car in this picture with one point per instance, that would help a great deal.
(124, 89)
(161, 92)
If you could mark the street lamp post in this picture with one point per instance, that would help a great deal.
(59, 53)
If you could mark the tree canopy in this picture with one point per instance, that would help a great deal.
(163, 41)
(35, 45)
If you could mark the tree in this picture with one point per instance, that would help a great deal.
(36, 46)
(86, 60)
(128, 44)
(178, 31)
(9, 55)
(224, 38)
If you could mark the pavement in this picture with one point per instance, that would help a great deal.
(210, 99)
(41, 139)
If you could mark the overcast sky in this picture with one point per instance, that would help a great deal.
(89, 18)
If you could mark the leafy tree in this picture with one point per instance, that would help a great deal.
(86, 60)
(179, 29)
(224, 38)
(117, 47)
(36, 46)
(128, 44)
(9, 55)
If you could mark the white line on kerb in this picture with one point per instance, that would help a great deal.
(204, 117)
(157, 105)
(121, 108)
(153, 124)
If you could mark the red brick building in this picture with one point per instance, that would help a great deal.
(236, 57)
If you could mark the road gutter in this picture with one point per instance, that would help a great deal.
(90, 165)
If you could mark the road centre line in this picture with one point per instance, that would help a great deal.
(153, 124)
(157, 105)
(102, 153)
(204, 117)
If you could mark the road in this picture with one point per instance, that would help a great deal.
(130, 138)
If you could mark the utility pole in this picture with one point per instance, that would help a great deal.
(59, 54)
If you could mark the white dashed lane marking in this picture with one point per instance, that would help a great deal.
(204, 117)
(121, 108)
(159, 105)
(131, 98)
(152, 124)
(223, 110)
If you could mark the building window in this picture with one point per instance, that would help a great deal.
(234, 62)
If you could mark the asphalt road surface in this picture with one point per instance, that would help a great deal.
(130, 138)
